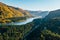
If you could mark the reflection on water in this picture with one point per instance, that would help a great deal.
(25, 22)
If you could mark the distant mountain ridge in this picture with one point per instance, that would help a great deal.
(11, 12)
(39, 13)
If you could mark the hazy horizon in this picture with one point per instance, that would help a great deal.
(35, 5)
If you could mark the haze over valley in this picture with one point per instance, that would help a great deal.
(18, 22)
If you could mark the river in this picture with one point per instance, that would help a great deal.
(24, 22)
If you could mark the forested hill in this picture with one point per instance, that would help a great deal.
(53, 14)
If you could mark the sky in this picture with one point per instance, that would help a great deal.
(44, 5)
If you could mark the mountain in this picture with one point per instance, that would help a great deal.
(9, 13)
(39, 13)
(53, 14)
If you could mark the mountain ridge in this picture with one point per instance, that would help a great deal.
(10, 12)
(53, 14)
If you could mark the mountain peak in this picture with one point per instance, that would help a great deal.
(2, 3)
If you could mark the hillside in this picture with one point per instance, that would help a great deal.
(47, 30)
(53, 14)
(8, 12)
(23, 11)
